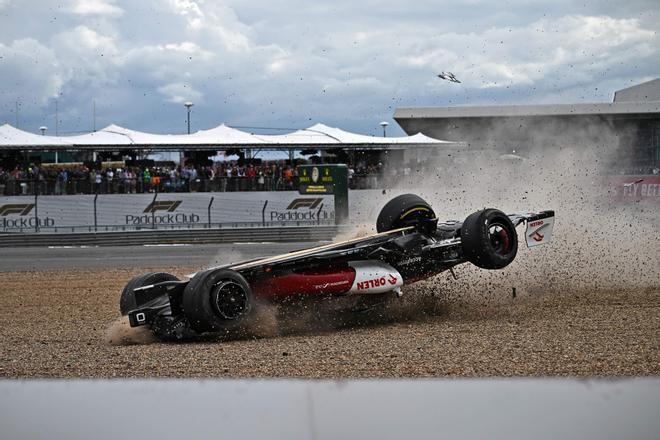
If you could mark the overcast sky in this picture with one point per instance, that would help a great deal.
(290, 63)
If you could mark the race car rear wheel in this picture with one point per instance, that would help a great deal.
(489, 239)
(127, 299)
(216, 300)
(406, 210)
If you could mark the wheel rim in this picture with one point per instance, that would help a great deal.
(229, 299)
(500, 239)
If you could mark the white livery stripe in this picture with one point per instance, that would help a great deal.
(374, 277)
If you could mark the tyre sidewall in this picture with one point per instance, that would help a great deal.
(198, 307)
(389, 217)
(127, 298)
(476, 241)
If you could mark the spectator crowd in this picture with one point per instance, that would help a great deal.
(225, 176)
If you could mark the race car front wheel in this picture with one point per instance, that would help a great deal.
(216, 300)
(489, 239)
(127, 299)
(406, 210)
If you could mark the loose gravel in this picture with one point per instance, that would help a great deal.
(55, 324)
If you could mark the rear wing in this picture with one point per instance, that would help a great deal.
(539, 226)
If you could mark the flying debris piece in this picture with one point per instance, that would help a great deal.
(448, 76)
(628, 185)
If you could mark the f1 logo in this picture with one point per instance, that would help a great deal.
(304, 203)
(21, 209)
(163, 205)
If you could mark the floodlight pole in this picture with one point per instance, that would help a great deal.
(43, 129)
(384, 124)
(188, 104)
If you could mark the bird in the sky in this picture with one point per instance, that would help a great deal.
(448, 76)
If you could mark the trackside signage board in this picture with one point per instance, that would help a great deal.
(327, 179)
(634, 189)
(167, 210)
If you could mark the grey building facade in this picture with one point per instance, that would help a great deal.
(627, 128)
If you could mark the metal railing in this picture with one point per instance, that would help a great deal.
(130, 238)
(179, 226)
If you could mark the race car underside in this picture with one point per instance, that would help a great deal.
(222, 298)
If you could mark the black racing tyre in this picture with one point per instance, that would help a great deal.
(127, 300)
(216, 300)
(405, 210)
(489, 239)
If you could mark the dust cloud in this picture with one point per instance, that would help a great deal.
(598, 243)
(120, 332)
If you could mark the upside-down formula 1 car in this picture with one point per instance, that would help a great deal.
(410, 245)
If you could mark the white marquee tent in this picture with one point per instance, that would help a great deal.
(114, 137)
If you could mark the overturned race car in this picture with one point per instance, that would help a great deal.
(410, 245)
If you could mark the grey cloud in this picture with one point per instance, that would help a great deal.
(96, 7)
(291, 63)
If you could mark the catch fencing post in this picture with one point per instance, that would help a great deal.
(318, 215)
(153, 211)
(36, 212)
(96, 196)
(209, 211)
(263, 214)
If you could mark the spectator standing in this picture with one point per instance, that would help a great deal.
(109, 176)
(146, 180)
(251, 173)
(98, 179)
(129, 181)
(62, 180)
(288, 178)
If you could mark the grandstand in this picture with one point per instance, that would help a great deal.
(111, 160)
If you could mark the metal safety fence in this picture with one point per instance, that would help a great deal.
(126, 238)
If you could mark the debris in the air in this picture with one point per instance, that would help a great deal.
(448, 76)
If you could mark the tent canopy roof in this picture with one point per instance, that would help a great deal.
(115, 137)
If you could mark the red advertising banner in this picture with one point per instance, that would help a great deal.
(641, 188)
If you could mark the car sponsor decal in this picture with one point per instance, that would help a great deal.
(374, 277)
(410, 211)
(332, 284)
(409, 261)
(539, 231)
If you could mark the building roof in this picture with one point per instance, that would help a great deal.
(492, 111)
(648, 91)
(639, 99)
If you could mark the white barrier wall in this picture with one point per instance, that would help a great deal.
(131, 211)
(171, 209)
